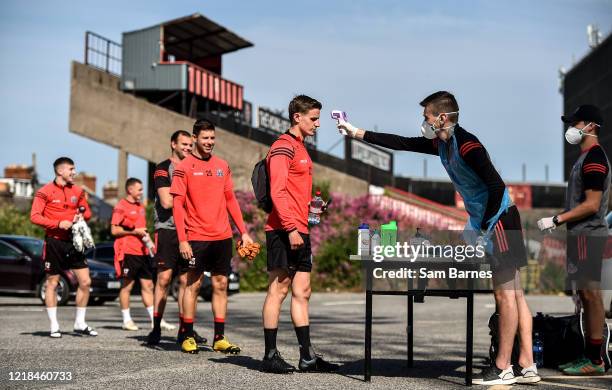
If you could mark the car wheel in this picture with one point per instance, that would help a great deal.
(62, 291)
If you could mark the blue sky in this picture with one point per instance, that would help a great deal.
(374, 59)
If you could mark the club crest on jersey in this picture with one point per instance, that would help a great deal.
(73, 199)
(219, 172)
(126, 271)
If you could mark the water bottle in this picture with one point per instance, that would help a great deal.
(363, 240)
(388, 234)
(375, 240)
(315, 210)
(538, 351)
(146, 239)
(418, 238)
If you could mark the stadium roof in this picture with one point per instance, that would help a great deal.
(195, 36)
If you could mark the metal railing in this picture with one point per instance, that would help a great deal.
(102, 53)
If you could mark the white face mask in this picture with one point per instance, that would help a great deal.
(573, 135)
(430, 131)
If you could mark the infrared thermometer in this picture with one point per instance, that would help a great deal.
(340, 116)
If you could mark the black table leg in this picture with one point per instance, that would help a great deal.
(410, 329)
(469, 338)
(367, 369)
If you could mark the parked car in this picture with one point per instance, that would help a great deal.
(104, 252)
(22, 273)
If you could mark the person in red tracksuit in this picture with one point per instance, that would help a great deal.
(55, 208)
(129, 227)
(287, 238)
(203, 202)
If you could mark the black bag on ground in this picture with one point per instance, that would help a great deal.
(562, 338)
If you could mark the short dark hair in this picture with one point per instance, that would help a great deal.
(178, 133)
(60, 161)
(131, 181)
(202, 124)
(301, 104)
(442, 102)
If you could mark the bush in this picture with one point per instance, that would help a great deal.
(333, 241)
(15, 221)
(552, 278)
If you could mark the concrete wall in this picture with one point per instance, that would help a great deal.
(100, 111)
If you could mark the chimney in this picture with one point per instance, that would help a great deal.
(86, 180)
(594, 35)
(110, 193)
(15, 171)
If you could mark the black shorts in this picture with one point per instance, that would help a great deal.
(281, 256)
(60, 255)
(212, 256)
(167, 255)
(509, 252)
(136, 267)
(585, 253)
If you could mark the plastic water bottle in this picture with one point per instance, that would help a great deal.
(146, 239)
(388, 234)
(538, 351)
(363, 240)
(315, 210)
(375, 240)
(418, 238)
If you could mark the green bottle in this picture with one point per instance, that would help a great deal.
(388, 234)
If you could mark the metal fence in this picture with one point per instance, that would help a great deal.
(102, 53)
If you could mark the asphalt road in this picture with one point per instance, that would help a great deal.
(118, 359)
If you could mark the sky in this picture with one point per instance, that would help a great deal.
(373, 59)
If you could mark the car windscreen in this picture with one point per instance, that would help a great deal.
(32, 245)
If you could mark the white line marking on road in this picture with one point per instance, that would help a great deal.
(572, 386)
(342, 303)
(607, 376)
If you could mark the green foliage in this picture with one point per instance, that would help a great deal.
(150, 209)
(15, 221)
(254, 275)
(324, 187)
(332, 269)
(100, 230)
(552, 278)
